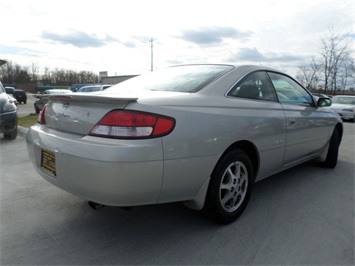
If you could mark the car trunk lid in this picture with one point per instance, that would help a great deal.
(79, 113)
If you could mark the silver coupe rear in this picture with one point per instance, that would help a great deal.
(197, 134)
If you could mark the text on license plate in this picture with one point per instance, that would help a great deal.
(48, 162)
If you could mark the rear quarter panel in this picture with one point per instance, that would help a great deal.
(205, 128)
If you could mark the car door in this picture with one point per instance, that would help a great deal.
(270, 126)
(306, 126)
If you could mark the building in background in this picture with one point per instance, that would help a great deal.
(114, 79)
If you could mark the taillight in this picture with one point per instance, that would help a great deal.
(132, 124)
(41, 119)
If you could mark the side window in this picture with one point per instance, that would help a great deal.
(289, 91)
(256, 85)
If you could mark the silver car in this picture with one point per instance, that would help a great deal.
(344, 105)
(197, 134)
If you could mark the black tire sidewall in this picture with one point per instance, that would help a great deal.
(333, 150)
(11, 135)
(213, 205)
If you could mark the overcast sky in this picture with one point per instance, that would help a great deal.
(114, 35)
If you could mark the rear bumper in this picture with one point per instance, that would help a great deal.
(106, 171)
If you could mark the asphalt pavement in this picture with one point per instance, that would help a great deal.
(303, 216)
(28, 108)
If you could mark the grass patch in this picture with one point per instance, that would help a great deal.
(27, 121)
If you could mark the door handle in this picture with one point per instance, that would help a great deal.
(291, 122)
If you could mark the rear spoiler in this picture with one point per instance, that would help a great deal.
(90, 98)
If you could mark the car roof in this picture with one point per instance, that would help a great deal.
(236, 74)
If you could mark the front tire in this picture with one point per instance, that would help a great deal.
(333, 150)
(11, 135)
(230, 187)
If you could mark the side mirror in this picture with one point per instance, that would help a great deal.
(324, 102)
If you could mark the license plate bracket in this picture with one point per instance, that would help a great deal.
(48, 162)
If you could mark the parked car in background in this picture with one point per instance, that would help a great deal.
(19, 94)
(321, 95)
(8, 115)
(93, 88)
(75, 87)
(43, 98)
(344, 105)
(198, 134)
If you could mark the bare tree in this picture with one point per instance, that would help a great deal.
(7, 72)
(46, 77)
(21, 74)
(13, 73)
(308, 75)
(334, 52)
(346, 74)
(34, 71)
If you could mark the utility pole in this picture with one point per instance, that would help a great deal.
(151, 54)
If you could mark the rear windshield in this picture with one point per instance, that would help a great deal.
(191, 78)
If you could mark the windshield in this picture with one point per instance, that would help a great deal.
(344, 100)
(190, 78)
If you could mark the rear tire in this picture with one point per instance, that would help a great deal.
(230, 187)
(333, 150)
(36, 109)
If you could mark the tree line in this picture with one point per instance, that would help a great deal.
(13, 73)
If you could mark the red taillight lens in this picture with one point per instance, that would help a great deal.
(41, 119)
(132, 124)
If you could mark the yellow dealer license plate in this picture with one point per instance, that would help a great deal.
(48, 162)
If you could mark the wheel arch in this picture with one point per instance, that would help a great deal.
(249, 148)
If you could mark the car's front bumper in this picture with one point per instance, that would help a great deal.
(107, 171)
(8, 122)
